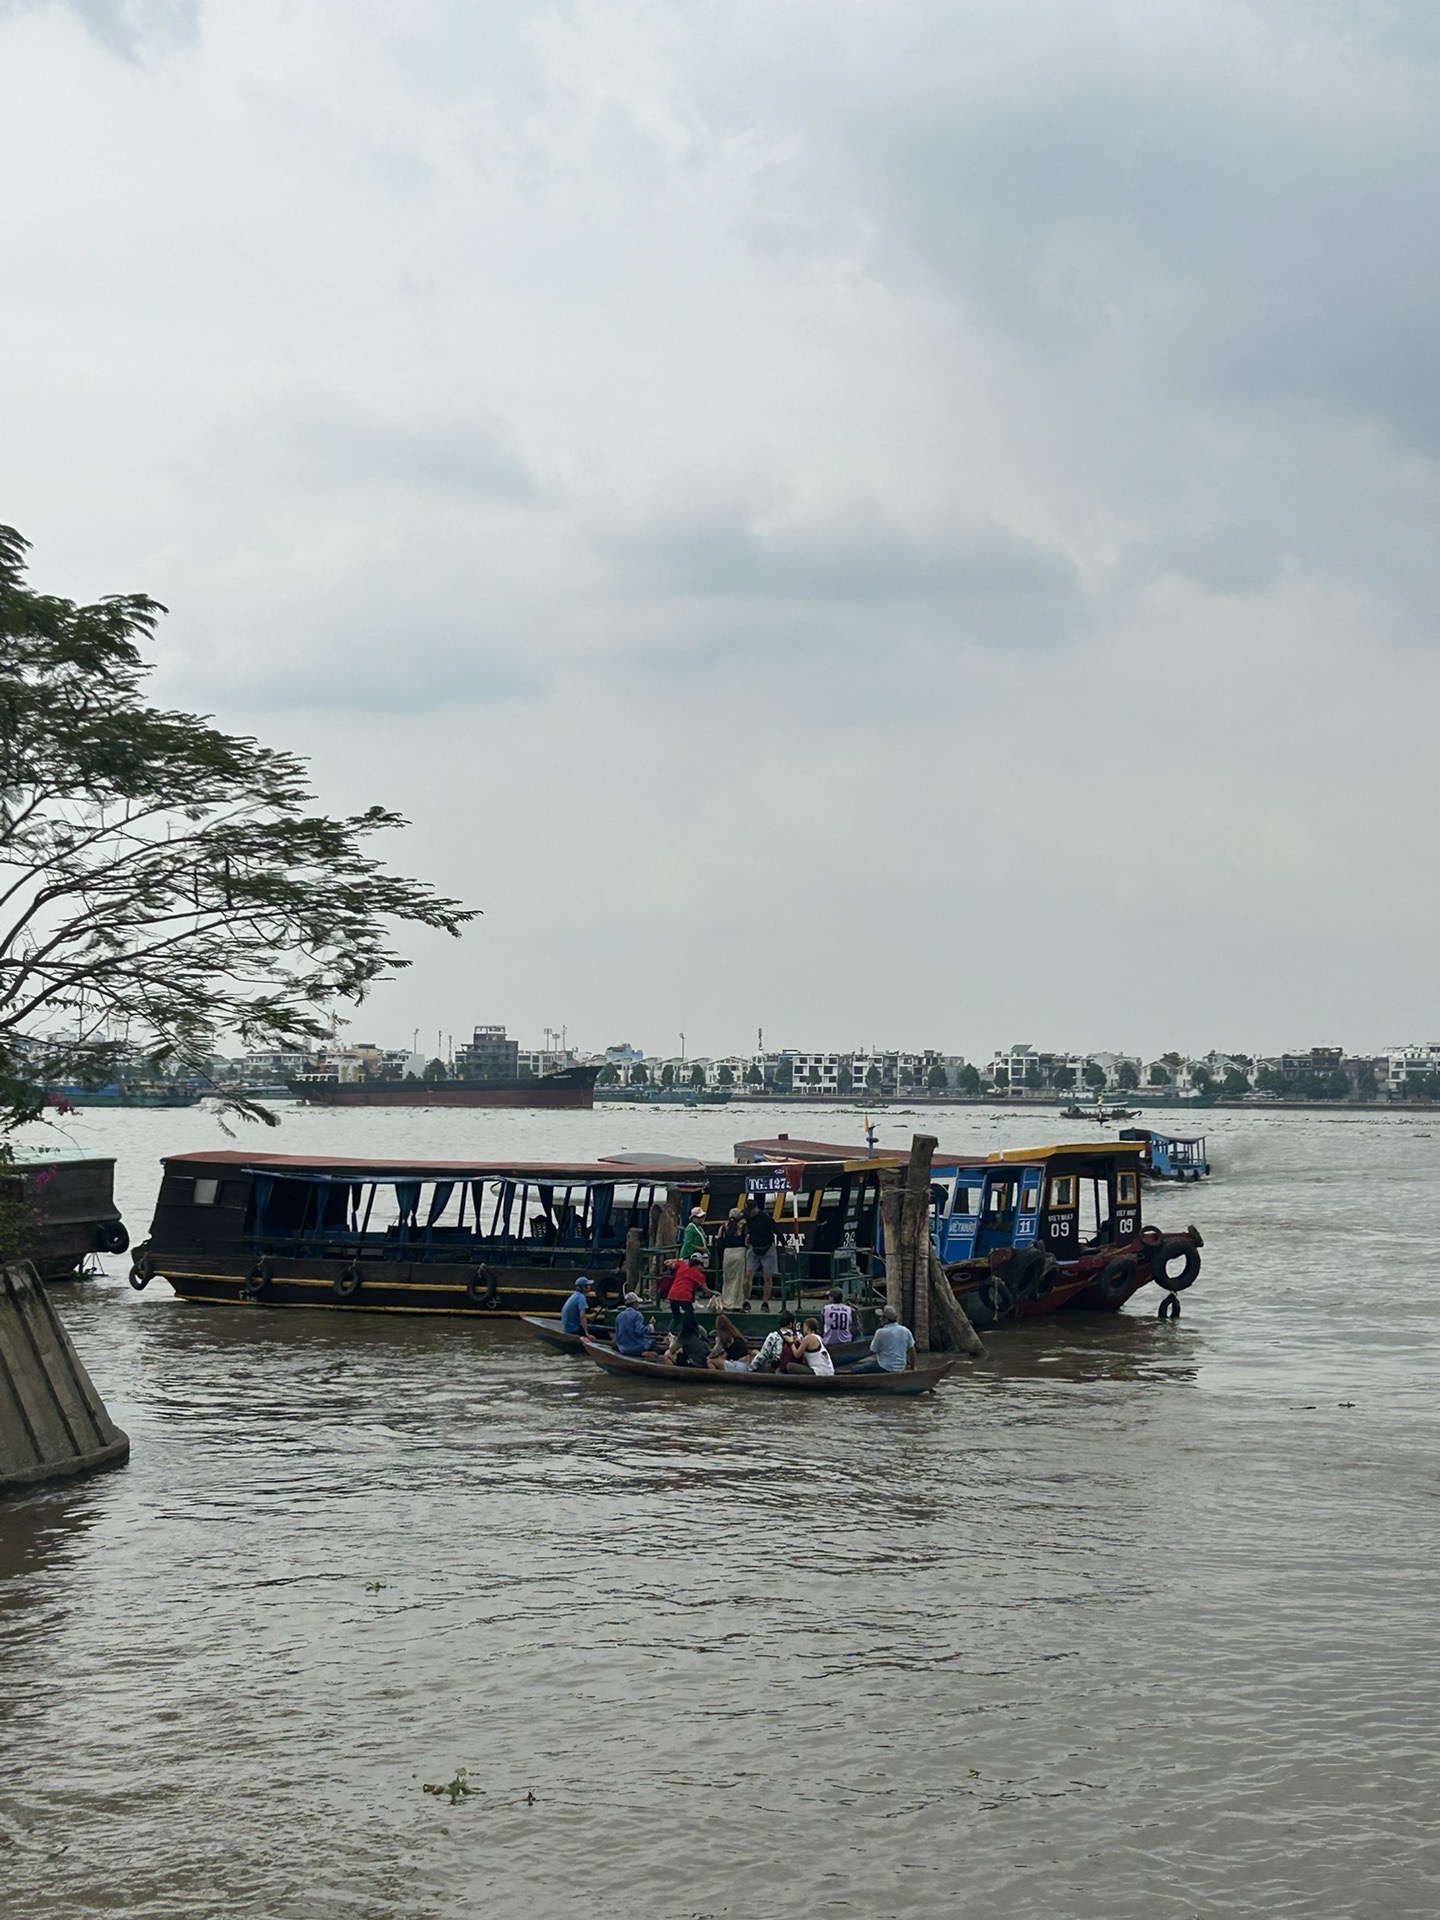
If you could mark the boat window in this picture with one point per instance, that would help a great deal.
(1062, 1191)
(1125, 1187)
(966, 1201)
(1001, 1197)
(1029, 1198)
(1094, 1207)
(205, 1192)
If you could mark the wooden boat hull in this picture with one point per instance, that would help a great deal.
(554, 1335)
(914, 1380)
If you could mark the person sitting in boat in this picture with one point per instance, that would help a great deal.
(632, 1330)
(575, 1314)
(837, 1322)
(892, 1349)
(687, 1349)
(687, 1284)
(772, 1346)
(731, 1350)
(808, 1353)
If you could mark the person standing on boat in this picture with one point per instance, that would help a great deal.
(892, 1349)
(632, 1333)
(760, 1254)
(694, 1245)
(575, 1314)
(687, 1282)
(734, 1292)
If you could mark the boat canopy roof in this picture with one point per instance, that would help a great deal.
(785, 1148)
(579, 1172)
(649, 1169)
(1086, 1149)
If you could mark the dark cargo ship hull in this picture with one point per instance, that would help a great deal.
(574, 1088)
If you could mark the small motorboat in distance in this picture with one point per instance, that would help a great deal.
(913, 1380)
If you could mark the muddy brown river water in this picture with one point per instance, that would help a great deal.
(1139, 1618)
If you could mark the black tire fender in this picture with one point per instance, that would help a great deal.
(1167, 1251)
(1169, 1308)
(989, 1303)
(482, 1289)
(111, 1237)
(1116, 1280)
(142, 1267)
(346, 1285)
(256, 1283)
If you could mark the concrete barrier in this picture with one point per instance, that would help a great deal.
(52, 1421)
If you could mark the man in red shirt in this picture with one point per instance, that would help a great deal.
(687, 1283)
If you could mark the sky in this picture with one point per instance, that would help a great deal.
(887, 523)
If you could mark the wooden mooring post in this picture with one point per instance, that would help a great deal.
(915, 1282)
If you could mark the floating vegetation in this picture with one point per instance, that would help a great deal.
(456, 1788)
(376, 1586)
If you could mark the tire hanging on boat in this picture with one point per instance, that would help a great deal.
(1169, 1308)
(347, 1285)
(1167, 1251)
(482, 1289)
(256, 1283)
(991, 1302)
(1030, 1275)
(111, 1237)
(142, 1267)
(1117, 1279)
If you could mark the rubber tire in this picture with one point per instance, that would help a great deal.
(1031, 1274)
(989, 1303)
(112, 1237)
(1169, 1308)
(1160, 1260)
(347, 1285)
(1117, 1279)
(482, 1289)
(142, 1269)
(256, 1283)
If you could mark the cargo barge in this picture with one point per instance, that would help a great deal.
(571, 1087)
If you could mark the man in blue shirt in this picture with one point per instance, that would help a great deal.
(632, 1336)
(574, 1315)
(892, 1349)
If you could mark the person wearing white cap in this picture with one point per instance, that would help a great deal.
(694, 1243)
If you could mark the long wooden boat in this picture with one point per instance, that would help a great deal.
(554, 1335)
(481, 1238)
(914, 1380)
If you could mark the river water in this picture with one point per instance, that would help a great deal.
(1138, 1618)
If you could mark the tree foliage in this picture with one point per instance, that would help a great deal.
(162, 883)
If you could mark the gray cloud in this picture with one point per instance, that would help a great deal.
(126, 27)
(314, 441)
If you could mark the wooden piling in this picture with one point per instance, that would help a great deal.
(634, 1260)
(52, 1421)
(949, 1309)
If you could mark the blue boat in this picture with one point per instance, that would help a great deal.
(1166, 1158)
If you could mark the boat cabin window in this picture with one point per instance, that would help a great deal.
(967, 1200)
(1095, 1219)
(1062, 1191)
(1029, 1198)
(206, 1192)
(1126, 1189)
(1002, 1198)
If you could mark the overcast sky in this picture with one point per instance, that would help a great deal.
(886, 520)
